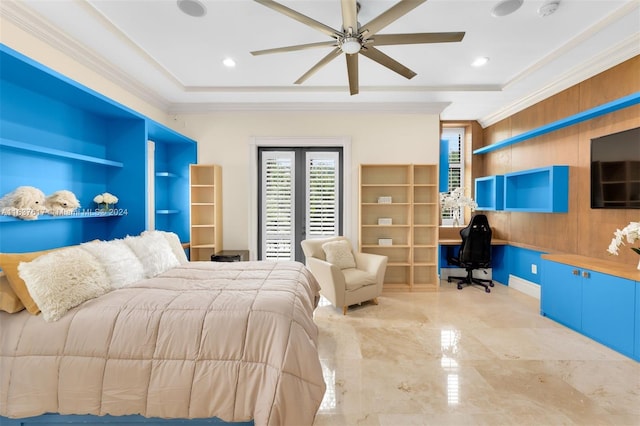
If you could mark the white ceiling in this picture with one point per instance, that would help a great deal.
(175, 60)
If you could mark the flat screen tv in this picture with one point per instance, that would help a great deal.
(615, 170)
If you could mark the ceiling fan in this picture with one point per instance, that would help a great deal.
(354, 39)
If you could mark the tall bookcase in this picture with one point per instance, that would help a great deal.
(205, 183)
(399, 219)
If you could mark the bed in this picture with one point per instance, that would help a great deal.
(212, 341)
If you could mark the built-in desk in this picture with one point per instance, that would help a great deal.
(448, 245)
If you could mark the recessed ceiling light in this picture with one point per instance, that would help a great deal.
(478, 62)
(506, 7)
(193, 8)
(228, 62)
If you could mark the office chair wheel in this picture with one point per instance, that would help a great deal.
(491, 284)
(488, 290)
(459, 286)
(448, 279)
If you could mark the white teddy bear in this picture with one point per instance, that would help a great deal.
(61, 203)
(25, 202)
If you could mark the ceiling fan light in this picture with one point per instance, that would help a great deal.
(506, 7)
(350, 45)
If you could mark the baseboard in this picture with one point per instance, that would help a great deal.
(524, 286)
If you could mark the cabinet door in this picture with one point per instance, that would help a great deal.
(561, 294)
(608, 310)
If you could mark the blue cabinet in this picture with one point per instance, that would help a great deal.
(543, 190)
(56, 134)
(608, 305)
(561, 294)
(603, 307)
(489, 192)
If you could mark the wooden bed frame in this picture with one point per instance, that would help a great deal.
(58, 419)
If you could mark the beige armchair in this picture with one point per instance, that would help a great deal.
(343, 282)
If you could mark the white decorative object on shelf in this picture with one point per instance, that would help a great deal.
(454, 201)
(385, 221)
(385, 241)
(384, 200)
(630, 233)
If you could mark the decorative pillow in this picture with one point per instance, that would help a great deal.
(174, 241)
(154, 253)
(9, 264)
(120, 262)
(9, 300)
(63, 279)
(339, 253)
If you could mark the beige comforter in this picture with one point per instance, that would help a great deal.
(230, 340)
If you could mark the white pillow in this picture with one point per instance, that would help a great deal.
(339, 253)
(121, 263)
(62, 279)
(176, 246)
(154, 252)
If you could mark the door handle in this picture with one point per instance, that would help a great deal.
(575, 272)
(586, 274)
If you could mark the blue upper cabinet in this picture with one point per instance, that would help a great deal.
(56, 134)
(489, 192)
(543, 190)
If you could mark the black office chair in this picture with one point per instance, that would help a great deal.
(475, 252)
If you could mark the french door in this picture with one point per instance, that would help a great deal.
(300, 197)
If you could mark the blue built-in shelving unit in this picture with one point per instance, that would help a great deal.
(606, 108)
(58, 134)
(489, 192)
(541, 190)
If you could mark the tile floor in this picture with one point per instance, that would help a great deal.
(468, 358)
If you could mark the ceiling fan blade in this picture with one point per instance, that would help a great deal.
(295, 48)
(300, 17)
(376, 55)
(416, 38)
(385, 18)
(350, 16)
(324, 61)
(352, 70)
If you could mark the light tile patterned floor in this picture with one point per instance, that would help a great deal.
(465, 357)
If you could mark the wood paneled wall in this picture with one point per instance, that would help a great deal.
(582, 230)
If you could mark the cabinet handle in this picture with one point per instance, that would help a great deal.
(575, 272)
(585, 274)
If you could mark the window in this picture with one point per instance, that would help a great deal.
(453, 143)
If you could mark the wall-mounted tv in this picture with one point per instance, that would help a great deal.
(615, 170)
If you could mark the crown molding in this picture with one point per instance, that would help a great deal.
(32, 23)
(611, 57)
(341, 107)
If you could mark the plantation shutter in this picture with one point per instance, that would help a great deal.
(322, 169)
(278, 207)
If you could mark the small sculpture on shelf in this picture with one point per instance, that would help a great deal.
(105, 201)
(25, 202)
(454, 200)
(61, 203)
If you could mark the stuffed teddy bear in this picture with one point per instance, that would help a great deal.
(61, 203)
(25, 202)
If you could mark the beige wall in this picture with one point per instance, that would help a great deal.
(224, 139)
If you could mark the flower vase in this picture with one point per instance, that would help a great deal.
(105, 208)
(456, 217)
